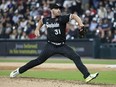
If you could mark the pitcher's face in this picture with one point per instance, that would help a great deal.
(56, 12)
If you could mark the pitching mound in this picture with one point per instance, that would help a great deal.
(54, 66)
(33, 82)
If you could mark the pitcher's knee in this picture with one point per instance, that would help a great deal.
(40, 60)
(75, 58)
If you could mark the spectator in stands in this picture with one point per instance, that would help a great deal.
(93, 11)
(68, 3)
(27, 13)
(19, 33)
(11, 4)
(32, 35)
(4, 5)
(114, 37)
(21, 8)
(32, 3)
(114, 31)
(105, 29)
(86, 25)
(73, 31)
(13, 35)
(76, 7)
(24, 36)
(93, 25)
(88, 15)
(94, 3)
(99, 28)
(93, 28)
(46, 13)
(114, 13)
(23, 23)
(32, 10)
(85, 4)
(102, 12)
(45, 5)
(51, 2)
(110, 3)
(60, 1)
(110, 13)
(31, 22)
(1, 30)
(7, 30)
(16, 17)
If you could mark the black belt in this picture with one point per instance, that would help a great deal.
(55, 43)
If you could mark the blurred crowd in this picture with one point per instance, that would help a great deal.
(19, 18)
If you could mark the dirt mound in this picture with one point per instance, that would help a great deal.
(33, 82)
(54, 66)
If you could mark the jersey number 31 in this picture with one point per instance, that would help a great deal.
(57, 31)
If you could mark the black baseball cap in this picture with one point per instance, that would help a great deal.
(56, 6)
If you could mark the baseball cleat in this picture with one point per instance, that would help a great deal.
(91, 77)
(14, 73)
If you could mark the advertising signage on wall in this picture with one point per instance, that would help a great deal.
(34, 47)
(83, 48)
(23, 48)
(30, 48)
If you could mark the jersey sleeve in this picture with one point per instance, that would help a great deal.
(66, 18)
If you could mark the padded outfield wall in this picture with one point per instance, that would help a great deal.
(83, 47)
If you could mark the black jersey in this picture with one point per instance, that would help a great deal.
(56, 28)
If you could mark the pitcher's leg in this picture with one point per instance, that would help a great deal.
(45, 54)
(69, 52)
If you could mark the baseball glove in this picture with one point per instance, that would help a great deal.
(82, 32)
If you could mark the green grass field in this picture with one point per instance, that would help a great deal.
(105, 77)
(85, 61)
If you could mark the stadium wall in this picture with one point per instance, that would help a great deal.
(84, 47)
(34, 47)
